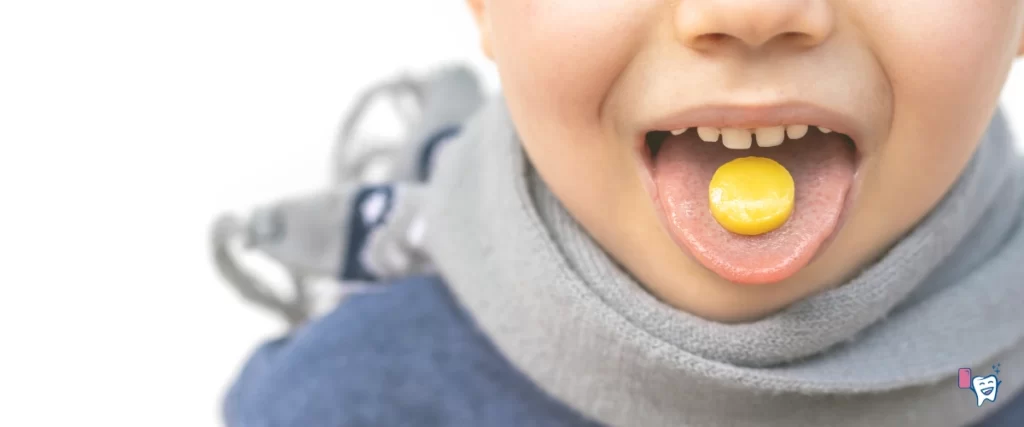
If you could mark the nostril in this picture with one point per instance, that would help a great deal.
(798, 38)
(714, 38)
(711, 41)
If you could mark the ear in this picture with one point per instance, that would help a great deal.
(483, 24)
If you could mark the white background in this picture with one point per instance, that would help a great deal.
(125, 127)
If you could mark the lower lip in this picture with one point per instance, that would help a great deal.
(645, 164)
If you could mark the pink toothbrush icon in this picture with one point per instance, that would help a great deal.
(964, 378)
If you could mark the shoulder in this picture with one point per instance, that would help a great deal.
(406, 354)
(1008, 415)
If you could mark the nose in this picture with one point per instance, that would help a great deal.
(709, 24)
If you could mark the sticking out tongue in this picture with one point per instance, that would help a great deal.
(822, 167)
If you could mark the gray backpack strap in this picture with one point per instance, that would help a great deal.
(445, 99)
(359, 231)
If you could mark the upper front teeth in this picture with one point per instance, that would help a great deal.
(736, 139)
(796, 131)
(739, 139)
(709, 134)
(770, 137)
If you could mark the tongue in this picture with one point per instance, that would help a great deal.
(822, 169)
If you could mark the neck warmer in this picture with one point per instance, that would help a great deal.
(882, 349)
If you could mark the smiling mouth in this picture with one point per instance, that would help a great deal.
(681, 160)
(987, 390)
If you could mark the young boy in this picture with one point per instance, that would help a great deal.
(678, 213)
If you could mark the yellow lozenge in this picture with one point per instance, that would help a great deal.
(751, 195)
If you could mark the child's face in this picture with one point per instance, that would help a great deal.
(911, 83)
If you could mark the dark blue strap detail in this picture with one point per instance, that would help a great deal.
(430, 150)
(360, 226)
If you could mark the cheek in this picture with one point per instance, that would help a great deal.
(558, 61)
(946, 72)
(558, 58)
(945, 75)
(945, 55)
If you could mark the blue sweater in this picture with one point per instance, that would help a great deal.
(407, 355)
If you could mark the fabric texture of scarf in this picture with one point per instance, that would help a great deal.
(882, 349)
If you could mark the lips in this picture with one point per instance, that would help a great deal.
(814, 145)
(987, 390)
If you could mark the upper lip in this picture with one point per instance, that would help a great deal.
(757, 116)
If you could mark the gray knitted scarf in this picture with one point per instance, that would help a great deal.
(883, 349)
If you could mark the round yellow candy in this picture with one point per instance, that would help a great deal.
(751, 195)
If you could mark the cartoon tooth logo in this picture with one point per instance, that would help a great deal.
(984, 388)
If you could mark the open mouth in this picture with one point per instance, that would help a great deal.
(822, 162)
(987, 390)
